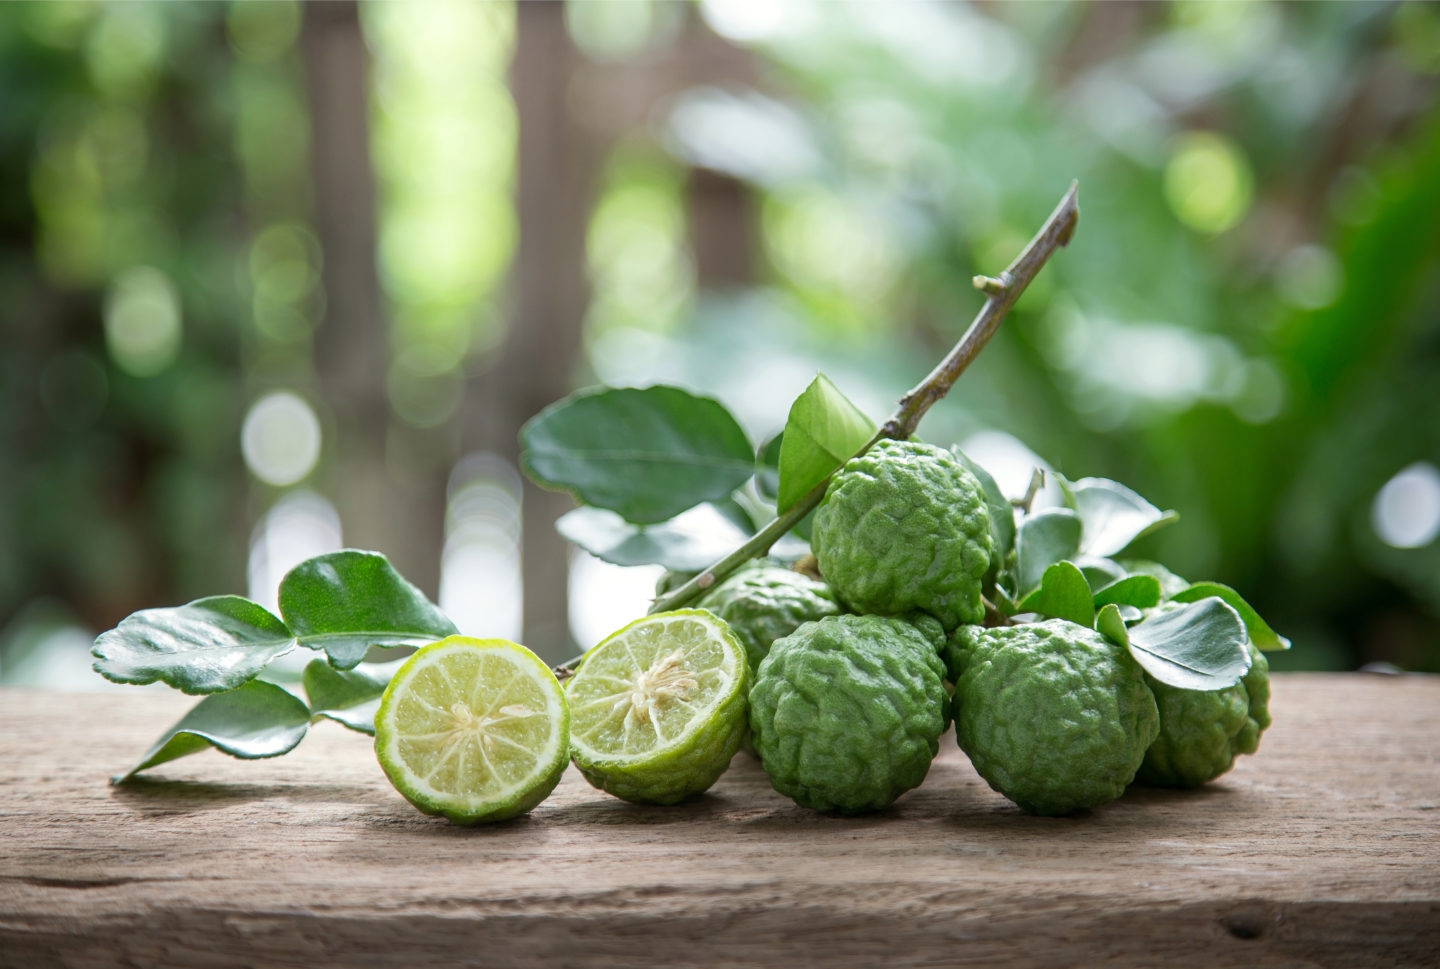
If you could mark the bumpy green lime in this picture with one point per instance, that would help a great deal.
(1053, 715)
(846, 713)
(902, 527)
(658, 709)
(765, 603)
(1202, 732)
(473, 730)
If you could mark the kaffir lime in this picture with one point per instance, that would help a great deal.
(473, 730)
(763, 604)
(846, 713)
(902, 527)
(658, 708)
(1053, 715)
(1202, 732)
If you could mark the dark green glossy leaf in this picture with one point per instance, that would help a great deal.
(348, 697)
(1265, 639)
(1002, 513)
(347, 601)
(1042, 540)
(206, 646)
(1063, 594)
(1113, 515)
(254, 720)
(647, 454)
(1199, 647)
(688, 542)
(1111, 624)
(822, 432)
(1140, 591)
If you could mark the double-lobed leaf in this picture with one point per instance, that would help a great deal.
(254, 720)
(1262, 636)
(1113, 516)
(692, 540)
(206, 646)
(823, 430)
(1047, 537)
(645, 453)
(349, 697)
(345, 602)
(1199, 647)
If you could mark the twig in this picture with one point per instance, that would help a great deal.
(1002, 291)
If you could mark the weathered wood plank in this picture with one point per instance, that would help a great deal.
(1324, 849)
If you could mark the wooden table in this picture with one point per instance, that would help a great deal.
(1322, 850)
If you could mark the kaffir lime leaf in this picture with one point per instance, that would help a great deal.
(1053, 715)
(473, 730)
(659, 707)
(846, 713)
(1202, 732)
(765, 603)
(902, 527)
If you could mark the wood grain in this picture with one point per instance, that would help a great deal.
(1322, 850)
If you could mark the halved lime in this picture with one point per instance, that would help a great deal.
(473, 730)
(658, 709)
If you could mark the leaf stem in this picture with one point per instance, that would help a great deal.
(1001, 293)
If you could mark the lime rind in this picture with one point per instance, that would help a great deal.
(659, 707)
(473, 730)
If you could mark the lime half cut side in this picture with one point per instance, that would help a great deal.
(473, 730)
(658, 709)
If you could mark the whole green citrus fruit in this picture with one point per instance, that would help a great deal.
(846, 713)
(905, 526)
(1053, 715)
(767, 602)
(1202, 732)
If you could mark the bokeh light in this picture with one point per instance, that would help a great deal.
(1406, 511)
(142, 321)
(280, 438)
(1208, 182)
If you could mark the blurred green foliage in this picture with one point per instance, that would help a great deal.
(1246, 328)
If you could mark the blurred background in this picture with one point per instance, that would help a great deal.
(277, 278)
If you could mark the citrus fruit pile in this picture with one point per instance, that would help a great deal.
(1068, 674)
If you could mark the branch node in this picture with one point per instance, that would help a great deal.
(990, 284)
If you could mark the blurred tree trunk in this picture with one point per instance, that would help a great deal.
(402, 517)
(536, 365)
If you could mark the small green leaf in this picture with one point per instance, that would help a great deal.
(254, 720)
(647, 454)
(1063, 594)
(1002, 513)
(1170, 583)
(688, 542)
(345, 602)
(1112, 625)
(1265, 639)
(1042, 540)
(823, 430)
(348, 697)
(1140, 591)
(1099, 572)
(1113, 515)
(206, 646)
(1199, 647)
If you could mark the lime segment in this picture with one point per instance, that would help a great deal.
(658, 709)
(473, 730)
